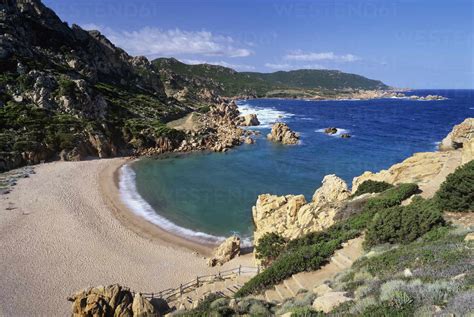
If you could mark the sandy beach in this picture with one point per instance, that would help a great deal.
(64, 228)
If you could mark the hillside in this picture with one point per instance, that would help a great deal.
(67, 93)
(228, 82)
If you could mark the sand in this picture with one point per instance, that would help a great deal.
(64, 229)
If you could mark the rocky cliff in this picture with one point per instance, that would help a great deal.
(67, 93)
(291, 216)
(429, 169)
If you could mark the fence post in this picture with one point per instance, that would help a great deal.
(152, 295)
(258, 269)
(240, 267)
(197, 281)
(180, 289)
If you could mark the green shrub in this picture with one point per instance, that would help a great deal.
(370, 186)
(457, 191)
(269, 247)
(67, 87)
(307, 311)
(204, 109)
(313, 250)
(403, 224)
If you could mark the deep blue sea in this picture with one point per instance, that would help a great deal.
(211, 195)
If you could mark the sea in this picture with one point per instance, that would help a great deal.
(209, 196)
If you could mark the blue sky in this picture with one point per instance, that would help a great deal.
(404, 43)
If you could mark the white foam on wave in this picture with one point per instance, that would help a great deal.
(139, 206)
(338, 133)
(266, 116)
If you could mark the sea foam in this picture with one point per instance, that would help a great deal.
(135, 202)
(266, 116)
(338, 133)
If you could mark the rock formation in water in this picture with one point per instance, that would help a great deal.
(291, 216)
(281, 133)
(249, 120)
(331, 130)
(113, 300)
(225, 252)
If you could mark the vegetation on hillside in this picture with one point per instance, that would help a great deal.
(457, 191)
(371, 186)
(228, 82)
(430, 276)
(313, 250)
(418, 264)
(403, 224)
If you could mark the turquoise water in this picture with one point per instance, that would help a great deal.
(213, 193)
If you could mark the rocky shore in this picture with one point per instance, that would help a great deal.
(291, 216)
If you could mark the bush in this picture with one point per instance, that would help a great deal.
(313, 250)
(370, 186)
(269, 247)
(403, 224)
(67, 87)
(457, 191)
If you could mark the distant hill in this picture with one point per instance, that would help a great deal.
(228, 82)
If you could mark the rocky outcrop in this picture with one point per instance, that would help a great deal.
(427, 98)
(292, 216)
(467, 154)
(281, 133)
(249, 120)
(423, 168)
(460, 134)
(226, 251)
(419, 168)
(331, 130)
(113, 300)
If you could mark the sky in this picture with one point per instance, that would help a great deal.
(404, 43)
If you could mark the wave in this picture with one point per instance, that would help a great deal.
(135, 202)
(266, 116)
(138, 205)
(338, 133)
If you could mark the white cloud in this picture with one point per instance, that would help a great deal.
(277, 66)
(152, 42)
(322, 56)
(292, 66)
(240, 67)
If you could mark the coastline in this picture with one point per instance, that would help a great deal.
(60, 234)
(109, 187)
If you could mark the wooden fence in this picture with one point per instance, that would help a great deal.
(171, 294)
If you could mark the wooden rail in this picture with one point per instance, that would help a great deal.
(171, 294)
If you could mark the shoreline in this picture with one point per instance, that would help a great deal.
(110, 189)
(63, 230)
